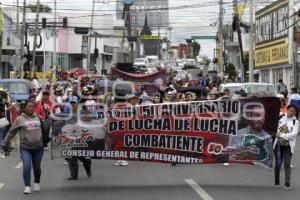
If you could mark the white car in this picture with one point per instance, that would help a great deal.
(150, 70)
(141, 62)
(181, 74)
(265, 89)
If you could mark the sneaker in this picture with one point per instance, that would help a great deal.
(46, 148)
(36, 187)
(27, 190)
(65, 163)
(124, 163)
(118, 163)
(225, 164)
(276, 185)
(287, 187)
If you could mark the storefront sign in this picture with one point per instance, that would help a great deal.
(275, 54)
(150, 37)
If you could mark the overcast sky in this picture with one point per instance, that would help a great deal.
(200, 18)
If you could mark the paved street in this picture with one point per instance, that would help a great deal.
(146, 181)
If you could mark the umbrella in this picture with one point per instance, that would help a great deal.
(196, 90)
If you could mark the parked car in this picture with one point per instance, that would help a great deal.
(141, 62)
(181, 74)
(263, 89)
(18, 88)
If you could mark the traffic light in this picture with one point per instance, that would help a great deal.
(44, 22)
(65, 22)
(216, 61)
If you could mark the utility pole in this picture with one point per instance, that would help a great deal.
(251, 44)
(88, 62)
(221, 42)
(54, 61)
(291, 55)
(1, 36)
(159, 46)
(36, 30)
(236, 21)
(17, 27)
(22, 39)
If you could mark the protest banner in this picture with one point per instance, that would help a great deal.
(234, 131)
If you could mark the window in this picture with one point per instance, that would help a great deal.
(18, 88)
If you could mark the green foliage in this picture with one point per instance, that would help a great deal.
(42, 8)
(196, 49)
(231, 71)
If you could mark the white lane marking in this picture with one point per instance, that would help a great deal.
(19, 165)
(1, 185)
(200, 191)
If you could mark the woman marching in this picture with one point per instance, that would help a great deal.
(284, 144)
(28, 126)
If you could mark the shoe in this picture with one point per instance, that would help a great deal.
(118, 163)
(225, 164)
(89, 174)
(36, 187)
(174, 164)
(287, 187)
(46, 148)
(71, 178)
(292, 166)
(124, 163)
(27, 190)
(65, 163)
(276, 185)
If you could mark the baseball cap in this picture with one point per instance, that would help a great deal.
(73, 99)
(130, 96)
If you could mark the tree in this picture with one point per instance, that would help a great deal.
(231, 71)
(196, 49)
(42, 8)
(146, 29)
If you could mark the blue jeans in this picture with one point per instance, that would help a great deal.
(33, 156)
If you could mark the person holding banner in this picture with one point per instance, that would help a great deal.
(284, 144)
(70, 128)
(252, 142)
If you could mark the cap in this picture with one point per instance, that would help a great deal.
(130, 96)
(191, 93)
(59, 89)
(73, 99)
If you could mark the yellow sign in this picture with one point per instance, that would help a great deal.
(150, 37)
(272, 55)
(40, 75)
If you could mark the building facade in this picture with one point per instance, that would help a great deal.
(9, 43)
(272, 44)
(71, 48)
